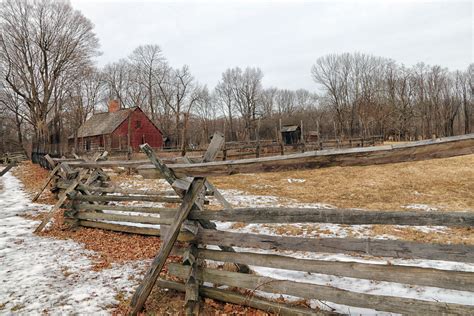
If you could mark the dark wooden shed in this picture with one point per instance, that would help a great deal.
(290, 134)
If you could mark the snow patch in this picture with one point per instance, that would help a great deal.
(421, 207)
(39, 274)
(290, 180)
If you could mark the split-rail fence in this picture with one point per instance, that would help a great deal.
(183, 215)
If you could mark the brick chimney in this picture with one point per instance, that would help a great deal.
(114, 106)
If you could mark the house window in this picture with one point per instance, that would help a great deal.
(143, 139)
(87, 145)
(138, 124)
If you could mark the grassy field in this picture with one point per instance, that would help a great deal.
(445, 184)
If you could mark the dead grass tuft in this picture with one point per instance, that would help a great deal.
(449, 236)
(238, 225)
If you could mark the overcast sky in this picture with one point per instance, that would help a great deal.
(283, 38)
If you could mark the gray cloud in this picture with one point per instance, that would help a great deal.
(283, 38)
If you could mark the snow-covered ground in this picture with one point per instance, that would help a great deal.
(43, 275)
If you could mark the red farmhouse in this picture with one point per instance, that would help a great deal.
(116, 129)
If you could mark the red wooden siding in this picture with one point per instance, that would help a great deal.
(142, 130)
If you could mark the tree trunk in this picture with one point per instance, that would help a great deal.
(231, 124)
(19, 133)
(183, 138)
(467, 116)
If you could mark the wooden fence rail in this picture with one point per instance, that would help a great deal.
(455, 280)
(191, 222)
(14, 157)
(109, 198)
(291, 215)
(422, 150)
(126, 208)
(322, 292)
(337, 216)
(350, 246)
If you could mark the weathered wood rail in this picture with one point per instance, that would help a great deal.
(361, 156)
(187, 219)
(322, 292)
(13, 157)
(337, 216)
(266, 254)
(422, 150)
(6, 169)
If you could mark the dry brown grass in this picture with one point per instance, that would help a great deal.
(447, 184)
(449, 236)
(444, 183)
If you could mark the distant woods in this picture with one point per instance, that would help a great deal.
(50, 85)
(367, 94)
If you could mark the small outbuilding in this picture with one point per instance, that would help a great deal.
(290, 134)
(116, 130)
(313, 137)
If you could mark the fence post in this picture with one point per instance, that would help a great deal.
(192, 283)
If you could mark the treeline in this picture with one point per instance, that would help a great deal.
(368, 94)
(50, 85)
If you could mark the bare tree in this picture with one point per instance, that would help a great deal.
(42, 42)
(286, 102)
(14, 104)
(149, 63)
(122, 81)
(330, 72)
(465, 90)
(246, 88)
(83, 99)
(224, 96)
(305, 100)
(207, 113)
(268, 102)
(179, 92)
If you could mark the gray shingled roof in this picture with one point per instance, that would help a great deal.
(103, 123)
(289, 128)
